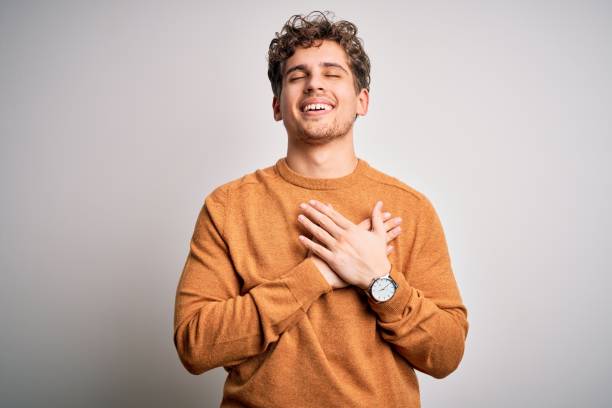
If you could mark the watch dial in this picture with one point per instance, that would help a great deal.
(383, 289)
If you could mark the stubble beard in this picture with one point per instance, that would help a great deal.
(317, 134)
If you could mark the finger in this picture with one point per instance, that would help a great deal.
(391, 235)
(316, 242)
(367, 223)
(393, 223)
(318, 249)
(322, 219)
(332, 214)
(377, 223)
(317, 232)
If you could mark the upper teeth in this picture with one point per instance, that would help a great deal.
(314, 106)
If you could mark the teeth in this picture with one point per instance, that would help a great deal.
(317, 106)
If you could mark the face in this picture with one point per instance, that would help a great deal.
(319, 75)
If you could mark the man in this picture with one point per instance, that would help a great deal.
(320, 310)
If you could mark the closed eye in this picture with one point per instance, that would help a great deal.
(328, 75)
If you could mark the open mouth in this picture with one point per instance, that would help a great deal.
(317, 109)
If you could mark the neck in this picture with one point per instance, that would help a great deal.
(331, 160)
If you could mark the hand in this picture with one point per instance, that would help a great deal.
(355, 254)
(393, 230)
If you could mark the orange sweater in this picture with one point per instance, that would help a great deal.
(251, 301)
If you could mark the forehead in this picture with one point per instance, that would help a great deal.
(328, 51)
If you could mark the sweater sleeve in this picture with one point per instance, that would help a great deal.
(426, 321)
(216, 325)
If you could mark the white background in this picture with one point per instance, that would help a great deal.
(118, 118)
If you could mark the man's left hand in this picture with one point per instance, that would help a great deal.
(355, 254)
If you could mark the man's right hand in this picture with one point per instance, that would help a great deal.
(393, 230)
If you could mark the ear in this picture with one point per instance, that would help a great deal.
(363, 99)
(276, 108)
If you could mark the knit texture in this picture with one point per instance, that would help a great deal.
(249, 299)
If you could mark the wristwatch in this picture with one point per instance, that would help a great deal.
(382, 289)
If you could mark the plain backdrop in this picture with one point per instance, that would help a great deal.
(117, 118)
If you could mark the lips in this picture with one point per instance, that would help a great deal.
(317, 112)
(314, 101)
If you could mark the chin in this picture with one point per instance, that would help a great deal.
(323, 134)
(316, 141)
(319, 136)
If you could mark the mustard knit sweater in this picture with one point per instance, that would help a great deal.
(250, 300)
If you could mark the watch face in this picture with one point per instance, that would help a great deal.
(383, 289)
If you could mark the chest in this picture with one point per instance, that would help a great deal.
(263, 234)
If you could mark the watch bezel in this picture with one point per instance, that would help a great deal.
(371, 292)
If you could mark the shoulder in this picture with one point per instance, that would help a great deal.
(414, 202)
(403, 195)
(396, 186)
(223, 193)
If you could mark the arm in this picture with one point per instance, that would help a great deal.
(426, 321)
(214, 325)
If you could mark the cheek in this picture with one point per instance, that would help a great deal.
(350, 101)
(287, 101)
(283, 107)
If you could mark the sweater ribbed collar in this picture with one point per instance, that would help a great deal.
(298, 179)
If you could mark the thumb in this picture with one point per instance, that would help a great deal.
(377, 222)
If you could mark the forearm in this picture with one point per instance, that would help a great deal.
(426, 321)
(430, 337)
(212, 332)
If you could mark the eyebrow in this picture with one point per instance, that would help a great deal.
(302, 67)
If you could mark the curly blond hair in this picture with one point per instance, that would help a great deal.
(303, 31)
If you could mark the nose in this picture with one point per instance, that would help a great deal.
(314, 82)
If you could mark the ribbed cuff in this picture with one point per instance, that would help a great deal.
(393, 309)
(306, 283)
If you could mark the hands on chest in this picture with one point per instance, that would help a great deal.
(348, 253)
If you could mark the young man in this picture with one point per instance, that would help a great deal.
(319, 310)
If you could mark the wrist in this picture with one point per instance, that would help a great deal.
(373, 276)
(382, 289)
